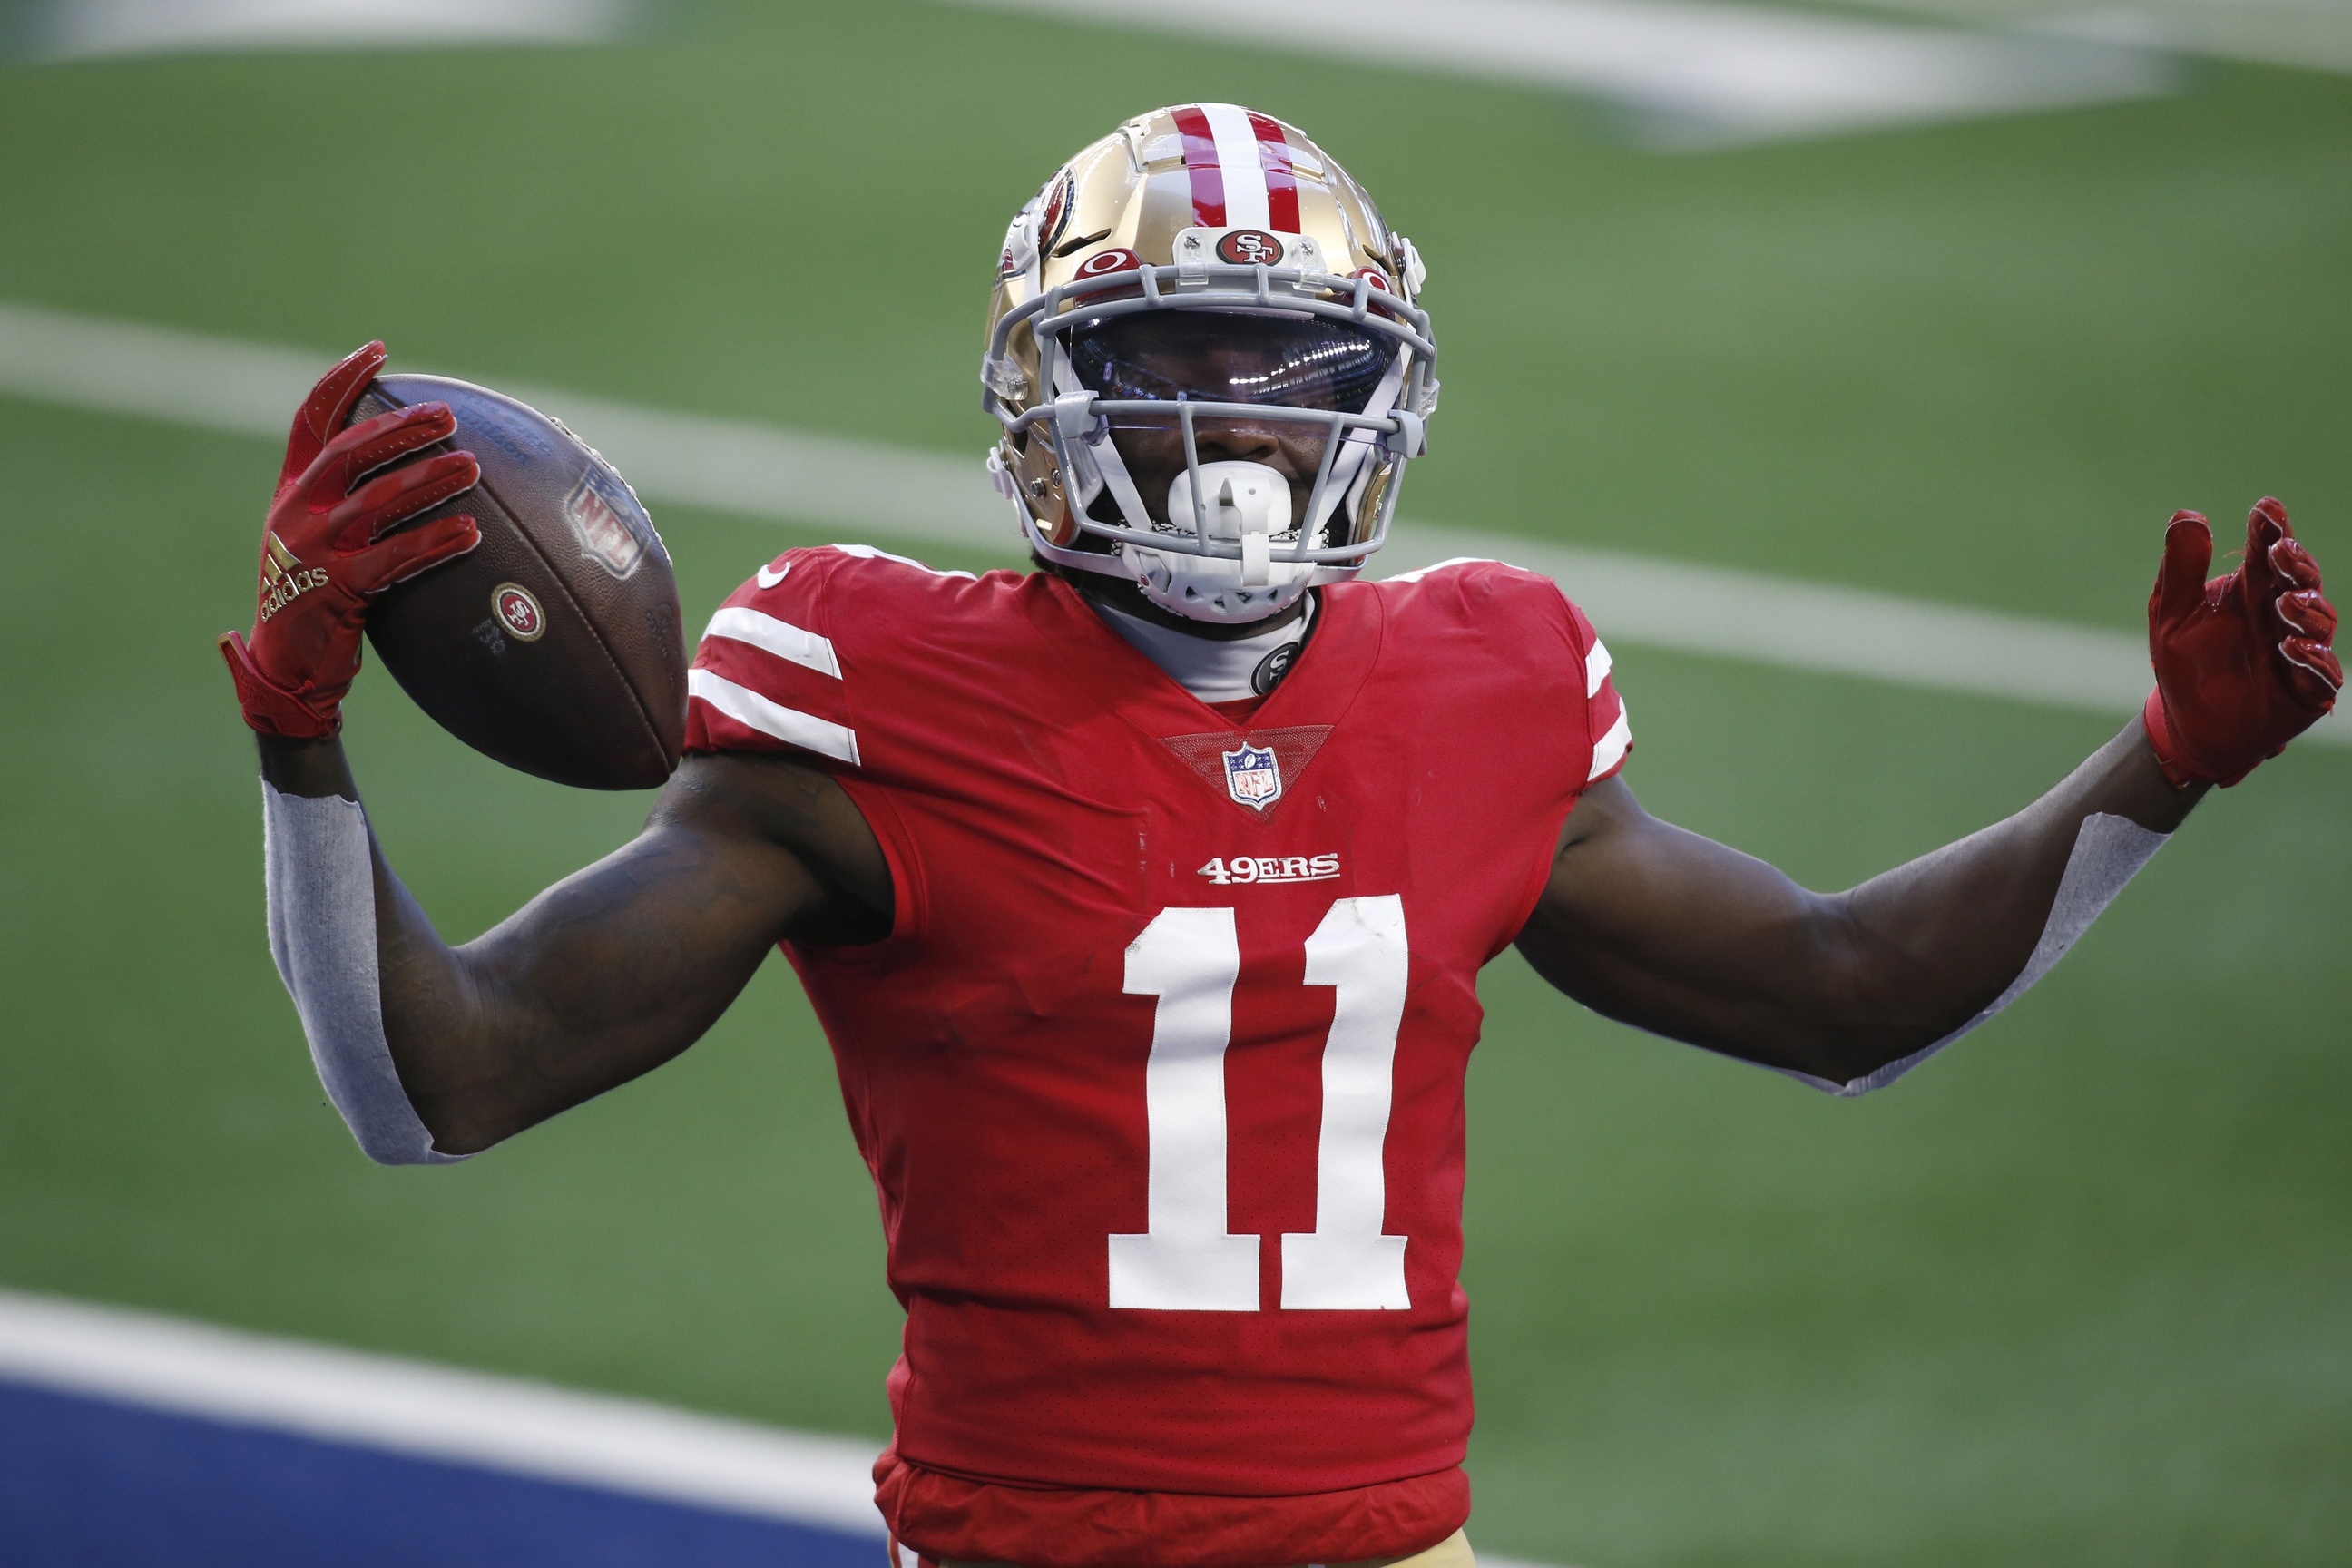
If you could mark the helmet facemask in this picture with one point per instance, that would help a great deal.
(1225, 427)
(1222, 446)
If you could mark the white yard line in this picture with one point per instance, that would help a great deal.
(437, 1412)
(1699, 73)
(870, 489)
(253, 389)
(443, 1413)
(73, 29)
(2303, 35)
(1817, 625)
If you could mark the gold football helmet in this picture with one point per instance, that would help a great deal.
(1205, 352)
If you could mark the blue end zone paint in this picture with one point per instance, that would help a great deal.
(99, 1485)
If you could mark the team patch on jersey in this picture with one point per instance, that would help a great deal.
(1225, 870)
(1252, 771)
(1252, 776)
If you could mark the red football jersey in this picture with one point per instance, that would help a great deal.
(1160, 1070)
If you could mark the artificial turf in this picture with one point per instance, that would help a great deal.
(2074, 1294)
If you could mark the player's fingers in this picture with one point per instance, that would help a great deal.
(330, 404)
(2314, 673)
(393, 497)
(404, 554)
(427, 423)
(2310, 614)
(2266, 529)
(369, 444)
(390, 499)
(2294, 564)
(2180, 580)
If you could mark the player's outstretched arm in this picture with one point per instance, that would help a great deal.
(433, 1052)
(1675, 933)
(604, 976)
(1679, 935)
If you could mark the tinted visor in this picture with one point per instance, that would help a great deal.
(1216, 357)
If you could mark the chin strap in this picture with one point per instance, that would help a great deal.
(321, 888)
(2108, 852)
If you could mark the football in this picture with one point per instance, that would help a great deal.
(554, 645)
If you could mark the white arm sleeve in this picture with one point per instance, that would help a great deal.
(322, 933)
(2108, 852)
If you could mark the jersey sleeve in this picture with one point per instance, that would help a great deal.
(1604, 711)
(1535, 628)
(767, 677)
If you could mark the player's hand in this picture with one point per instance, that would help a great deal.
(2243, 663)
(324, 549)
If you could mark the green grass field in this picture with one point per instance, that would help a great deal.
(2076, 1294)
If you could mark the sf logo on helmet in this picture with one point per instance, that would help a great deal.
(1249, 248)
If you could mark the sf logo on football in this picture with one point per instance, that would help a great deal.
(518, 612)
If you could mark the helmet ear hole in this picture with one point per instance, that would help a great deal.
(1366, 522)
(1040, 478)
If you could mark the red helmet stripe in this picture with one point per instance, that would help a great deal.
(1281, 183)
(1200, 165)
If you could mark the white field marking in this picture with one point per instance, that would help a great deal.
(1833, 630)
(1698, 74)
(2304, 35)
(437, 1412)
(78, 29)
(444, 1413)
(907, 495)
(755, 470)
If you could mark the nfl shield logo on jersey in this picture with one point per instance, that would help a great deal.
(1252, 776)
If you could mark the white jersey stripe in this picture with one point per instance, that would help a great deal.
(1418, 572)
(1597, 665)
(1610, 750)
(867, 552)
(1237, 161)
(747, 707)
(785, 640)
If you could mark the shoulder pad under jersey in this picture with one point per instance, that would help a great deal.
(1523, 615)
(770, 674)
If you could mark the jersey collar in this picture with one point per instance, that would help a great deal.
(1319, 689)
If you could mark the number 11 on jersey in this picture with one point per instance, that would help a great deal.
(1186, 1260)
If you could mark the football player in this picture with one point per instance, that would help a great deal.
(1143, 896)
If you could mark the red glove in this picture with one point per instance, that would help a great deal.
(2243, 663)
(323, 550)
